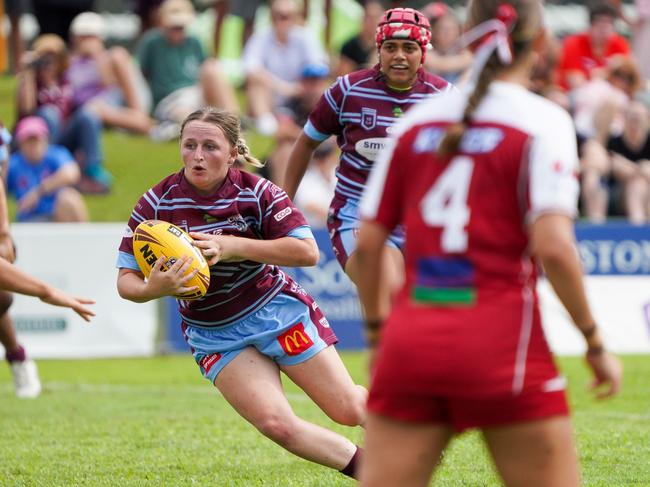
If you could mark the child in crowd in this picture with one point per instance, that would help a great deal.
(42, 177)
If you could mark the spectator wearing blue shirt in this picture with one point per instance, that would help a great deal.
(42, 177)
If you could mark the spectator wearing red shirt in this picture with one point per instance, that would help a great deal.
(584, 53)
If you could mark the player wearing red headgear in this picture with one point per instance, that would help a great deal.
(360, 108)
(485, 183)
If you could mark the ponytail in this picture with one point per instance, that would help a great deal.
(450, 143)
(244, 154)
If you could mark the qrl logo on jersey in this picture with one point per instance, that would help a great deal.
(209, 360)
(282, 213)
(368, 118)
(295, 340)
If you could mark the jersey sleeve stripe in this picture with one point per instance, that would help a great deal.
(126, 261)
(302, 233)
(269, 209)
(312, 133)
(331, 102)
(137, 217)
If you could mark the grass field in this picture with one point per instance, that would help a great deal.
(156, 422)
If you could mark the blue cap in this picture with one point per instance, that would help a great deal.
(315, 70)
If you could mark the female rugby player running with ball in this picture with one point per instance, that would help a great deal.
(485, 183)
(359, 108)
(254, 321)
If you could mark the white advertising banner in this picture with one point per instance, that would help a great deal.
(79, 259)
(621, 305)
(616, 260)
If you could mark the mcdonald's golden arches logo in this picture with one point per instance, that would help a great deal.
(295, 340)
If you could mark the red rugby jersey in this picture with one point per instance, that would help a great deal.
(469, 304)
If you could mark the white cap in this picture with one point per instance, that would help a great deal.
(88, 24)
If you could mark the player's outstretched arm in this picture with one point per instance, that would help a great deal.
(553, 243)
(299, 158)
(13, 279)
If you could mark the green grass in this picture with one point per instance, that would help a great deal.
(152, 422)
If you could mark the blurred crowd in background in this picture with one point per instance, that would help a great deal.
(72, 84)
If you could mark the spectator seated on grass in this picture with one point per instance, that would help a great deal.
(316, 189)
(105, 81)
(598, 111)
(273, 61)
(444, 59)
(630, 162)
(586, 53)
(42, 177)
(180, 76)
(44, 90)
(360, 51)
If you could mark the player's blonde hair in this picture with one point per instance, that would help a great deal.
(231, 128)
(524, 32)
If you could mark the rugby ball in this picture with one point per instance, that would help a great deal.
(155, 238)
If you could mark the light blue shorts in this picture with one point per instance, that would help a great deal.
(343, 223)
(289, 330)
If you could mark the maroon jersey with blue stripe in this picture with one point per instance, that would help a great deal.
(244, 206)
(359, 108)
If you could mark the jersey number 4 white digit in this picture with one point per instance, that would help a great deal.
(445, 204)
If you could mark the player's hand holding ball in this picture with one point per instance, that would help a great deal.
(217, 248)
(175, 280)
(170, 262)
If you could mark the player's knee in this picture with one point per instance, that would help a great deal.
(353, 410)
(5, 301)
(280, 429)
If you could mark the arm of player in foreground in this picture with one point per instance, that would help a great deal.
(13, 279)
(553, 243)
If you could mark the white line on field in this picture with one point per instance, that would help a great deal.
(614, 415)
(88, 388)
(93, 388)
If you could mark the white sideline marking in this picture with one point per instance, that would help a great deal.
(614, 415)
(136, 388)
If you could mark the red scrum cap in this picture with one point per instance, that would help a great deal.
(404, 23)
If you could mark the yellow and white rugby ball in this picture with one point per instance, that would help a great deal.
(155, 238)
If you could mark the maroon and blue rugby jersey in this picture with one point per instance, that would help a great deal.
(244, 206)
(359, 108)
